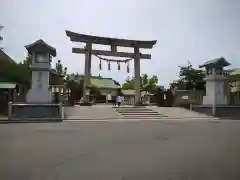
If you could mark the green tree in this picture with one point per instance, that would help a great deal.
(128, 84)
(58, 74)
(144, 80)
(151, 85)
(14, 72)
(60, 70)
(159, 96)
(173, 85)
(146, 84)
(76, 89)
(27, 62)
(190, 78)
(75, 84)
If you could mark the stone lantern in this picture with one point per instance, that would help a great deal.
(41, 54)
(38, 104)
(216, 82)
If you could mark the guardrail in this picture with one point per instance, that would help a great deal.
(12, 105)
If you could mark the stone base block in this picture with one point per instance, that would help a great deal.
(228, 112)
(220, 100)
(36, 111)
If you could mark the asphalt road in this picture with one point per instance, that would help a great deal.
(157, 150)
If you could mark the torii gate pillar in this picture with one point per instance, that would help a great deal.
(137, 75)
(87, 71)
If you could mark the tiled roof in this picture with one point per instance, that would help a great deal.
(216, 61)
(40, 44)
(103, 83)
(5, 57)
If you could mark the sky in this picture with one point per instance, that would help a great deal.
(194, 30)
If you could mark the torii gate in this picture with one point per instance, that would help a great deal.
(113, 43)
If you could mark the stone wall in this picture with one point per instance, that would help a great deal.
(184, 97)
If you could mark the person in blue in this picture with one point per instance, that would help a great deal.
(118, 100)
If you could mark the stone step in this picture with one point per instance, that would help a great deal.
(135, 114)
(130, 110)
(140, 112)
(133, 107)
(144, 117)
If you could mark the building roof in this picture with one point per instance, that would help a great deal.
(162, 88)
(235, 72)
(76, 37)
(5, 57)
(40, 45)
(7, 85)
(98, 82)
(103, 83)
(214, 62)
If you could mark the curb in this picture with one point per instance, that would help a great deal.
(160, 118)
(30, 121)
(109, 119)
(197, 117)
(93, 118)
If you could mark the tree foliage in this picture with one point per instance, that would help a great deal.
(20, 73)
(14, 72)
(129, 84)
(189, 78)
(76, 89)
(146, 84)
(72, 81)
(60, 70)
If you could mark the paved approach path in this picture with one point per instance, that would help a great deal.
(121, 150)
(105, 112)
(91, 112)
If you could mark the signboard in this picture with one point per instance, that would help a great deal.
(184, 97)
